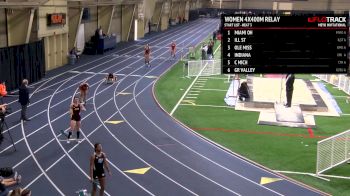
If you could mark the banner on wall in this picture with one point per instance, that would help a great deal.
(81, 38)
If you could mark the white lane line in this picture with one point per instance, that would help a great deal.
(60, 102)
(28, 185)
(91, 98)
(64, 90)
(190, 94)
(238, 156)
(191, 97)
(203, 89)
(49, 79)
(135, 130)
(106, 102)
(221, 166)
(159, 128)
(112, 116)
(56, 138)
(179, 162)
(172, 31)
(161, 36)
(142, 160)
(37, 163)
(188, 89)
(130, 149)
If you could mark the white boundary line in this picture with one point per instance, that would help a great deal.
(204, 157)
(66, 112)
(55, 136)
(89, 114)
(98, 65)
(188, 89)
(230, 152)
(303, 173)
(49, 79)
(184, 165)
(203, 89)
(37, 162)
(126, 146)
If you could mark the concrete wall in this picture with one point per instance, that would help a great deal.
(316, 5)
(127, 22)
(74, 19)
(52, 6)
(233, 4)
(149, 9)
(164, 22)
(343, 5)
(104, 16)
(17, 26)
(55, 37)
(116, 26)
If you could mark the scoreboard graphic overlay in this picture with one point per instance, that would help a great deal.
(285, 44)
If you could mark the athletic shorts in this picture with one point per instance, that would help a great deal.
(76, 118)
(98, 174)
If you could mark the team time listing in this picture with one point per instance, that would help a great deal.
(238, 47)
(284, 44)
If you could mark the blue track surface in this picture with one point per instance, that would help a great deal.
(182, 163)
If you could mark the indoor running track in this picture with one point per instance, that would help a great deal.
(182, 163)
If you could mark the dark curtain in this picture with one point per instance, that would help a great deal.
(193, 15)
(22, 61)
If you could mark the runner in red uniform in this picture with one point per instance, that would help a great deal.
(147, 55)
(173, 49)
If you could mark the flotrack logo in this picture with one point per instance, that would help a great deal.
(316, 19)
(324, 19)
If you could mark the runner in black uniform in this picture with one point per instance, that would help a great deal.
(98, 162)
(75, 109)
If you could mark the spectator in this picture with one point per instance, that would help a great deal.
(243, 92)
(210, 49)
(204, 52)
(6, 182)
(74, 52)
(149, 26)
(20, 192)
(3, 91)
(3, 108)
(24, 99)
(214, 36)
(289, 89)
